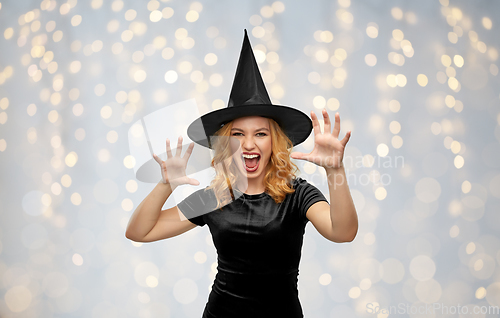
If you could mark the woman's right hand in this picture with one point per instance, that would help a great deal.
(173, 169)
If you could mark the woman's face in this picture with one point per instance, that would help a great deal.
(254, 135)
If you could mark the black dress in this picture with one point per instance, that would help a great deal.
(259, 247)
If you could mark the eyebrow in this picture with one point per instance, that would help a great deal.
(255, 130)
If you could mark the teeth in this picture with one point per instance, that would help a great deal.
(250, 156)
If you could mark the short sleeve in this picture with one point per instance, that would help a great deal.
(197, 205)
(307, 195)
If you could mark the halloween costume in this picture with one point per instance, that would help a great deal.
(259, 246)
(258, 241)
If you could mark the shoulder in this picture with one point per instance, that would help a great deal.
(304, 189)
(204, 192)
(200, 197)
(298, 183)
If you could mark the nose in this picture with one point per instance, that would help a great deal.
(248, 143)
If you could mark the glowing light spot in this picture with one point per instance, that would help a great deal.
(18, 298)
(192, 16)
(397, 13)
(372, 30)
(130, 14)
(470, 248)
(127, 35)
(422, 80)
(258, 31)
(458, 60)
(260, 56)
(64, 9)
(325, 279)
(319, 102)
(380, 193)
(53, 115)
(77, 259)
(480, 293)
(453, 83)
(106, 112)
(167, 12)
(267, 11)
(333, 103)
(394, 106)
(215, 80)
(117, 5)
(171, 77)
(459, 162)
(370, 60)
(398, 35)
(66, 181)
(71, 159)
(340, 54)
(57, 36)
(200, 257)
(354, 292)
(75, 67)
(365, 284)
(153, 5)
(278, 6)
(97, 46)
(129, 161)
(50, 26)
(210, 59)
(151, 281)
(8, 33)
(140, 76)
(167, 53)
(452, 37)
(155, 16)
(76, 20)
(446, 60)
(397, 142)
(487, 24)
(96, 4)
(369, 238)
(449, 100)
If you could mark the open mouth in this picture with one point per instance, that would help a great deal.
(251, 162)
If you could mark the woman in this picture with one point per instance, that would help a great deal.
(257, 208)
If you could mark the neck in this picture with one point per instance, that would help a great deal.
(254, 185)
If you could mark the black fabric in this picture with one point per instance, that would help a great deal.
(248, 86)
(259, 246)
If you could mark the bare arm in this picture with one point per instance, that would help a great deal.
(344, 219)
(149, 222)
(337, 222)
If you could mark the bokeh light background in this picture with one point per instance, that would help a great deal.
(415, 81)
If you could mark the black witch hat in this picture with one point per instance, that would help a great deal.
(249, 98)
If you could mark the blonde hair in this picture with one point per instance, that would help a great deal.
(279, 172)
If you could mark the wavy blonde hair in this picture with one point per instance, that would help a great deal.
(279, 173)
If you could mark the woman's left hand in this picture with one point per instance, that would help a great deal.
(328, 150)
